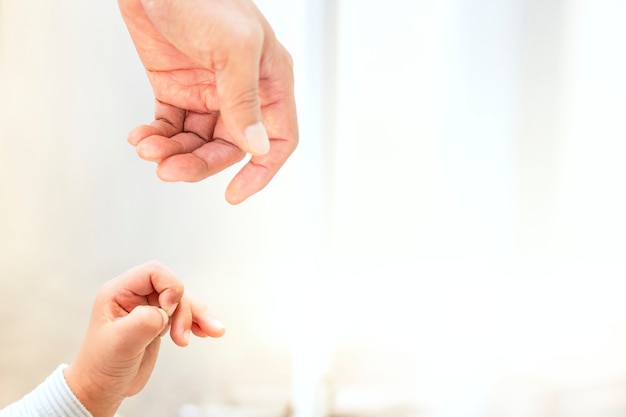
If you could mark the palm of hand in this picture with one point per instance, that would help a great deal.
(189, 139)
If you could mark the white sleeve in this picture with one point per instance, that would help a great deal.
(52, 398)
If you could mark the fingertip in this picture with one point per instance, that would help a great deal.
(156, 148)
(165, 174)
(234, 196)
(181, 167)
(146, 151)
(181, 323)
(251, 179)
(170, 310)
(245, 184)
(182, 339)
(214, 332)
(139, 133)
(204, 322)
(207, 325)
(166, 320)
(217, 328)
(134, 137)
(144, 323)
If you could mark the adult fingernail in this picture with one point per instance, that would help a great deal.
(258, 141)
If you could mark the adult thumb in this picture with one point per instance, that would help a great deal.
(238, 94)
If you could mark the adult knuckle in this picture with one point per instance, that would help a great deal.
(247, 98)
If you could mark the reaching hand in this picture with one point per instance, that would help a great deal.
(223, 86)
(130, 314)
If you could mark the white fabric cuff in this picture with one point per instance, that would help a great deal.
(52, 398)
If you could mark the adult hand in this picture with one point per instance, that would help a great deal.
(223, 86)
(129, 316)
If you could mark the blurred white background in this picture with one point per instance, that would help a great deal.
(447, 241)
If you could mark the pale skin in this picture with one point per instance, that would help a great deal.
(130, 315)
(223, 86)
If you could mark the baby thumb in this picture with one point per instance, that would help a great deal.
(140, 327)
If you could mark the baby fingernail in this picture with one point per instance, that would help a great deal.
(186, 336)
(216, 323)
(166, 321)
(171, 310)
